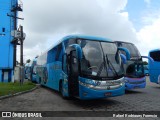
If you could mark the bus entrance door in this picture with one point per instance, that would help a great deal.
(73, 74)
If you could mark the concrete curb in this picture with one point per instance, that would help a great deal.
(18, 93)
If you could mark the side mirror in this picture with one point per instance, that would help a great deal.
(149, 58)
(124, 59)
(126, 51)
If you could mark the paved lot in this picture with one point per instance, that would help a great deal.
(43, 99)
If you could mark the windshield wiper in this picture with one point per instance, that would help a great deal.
(110, 64)
(103, 64)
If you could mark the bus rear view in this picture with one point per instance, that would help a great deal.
(154, 67)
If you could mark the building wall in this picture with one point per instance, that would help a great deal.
(6, 47)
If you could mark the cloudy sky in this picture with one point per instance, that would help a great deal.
(47, 21)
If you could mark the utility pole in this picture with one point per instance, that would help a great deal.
(15, 46)
(21, 42)
(15, 9)
(21, 39)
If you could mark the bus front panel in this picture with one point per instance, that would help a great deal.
(93, 89)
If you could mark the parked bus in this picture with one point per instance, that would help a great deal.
(134, 69)
(27, 70)
(30, 70)
(154, 68)
(85, 67)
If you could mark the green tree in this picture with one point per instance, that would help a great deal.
(145, 63)
(28, 61)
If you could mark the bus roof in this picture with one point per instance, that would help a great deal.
(86, 37)
(95, 38)
(124, 42)
(154, 50)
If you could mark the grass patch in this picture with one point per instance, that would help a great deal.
(12, 88)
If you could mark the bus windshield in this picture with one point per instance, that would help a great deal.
(132, 48)
(135, 69)
(100, 59)
(155, 55)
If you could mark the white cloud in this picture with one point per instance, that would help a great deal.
(147, 1)
(48, 20)
(150, 16)
(149, 36)
(124, 14)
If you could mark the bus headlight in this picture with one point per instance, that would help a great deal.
(90, 86)
(89, 81)
(86, 85)
(103, 85)
(115, 82)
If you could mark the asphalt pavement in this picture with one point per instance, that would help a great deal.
(44, 99)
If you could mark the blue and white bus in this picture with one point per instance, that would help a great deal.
(85, 67)
(30, 70)
(27, 70)
(154, 67)
(134, 69)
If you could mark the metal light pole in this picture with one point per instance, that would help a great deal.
(21, 46)
(21, 39)
(15, 46)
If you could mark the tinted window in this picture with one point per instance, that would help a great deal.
(58, 53)
(51, 55)
(134, 69)
(155, 55)
(100, 59)
(132, 49)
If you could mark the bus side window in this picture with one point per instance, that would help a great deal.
(59, 52)
(155, 55)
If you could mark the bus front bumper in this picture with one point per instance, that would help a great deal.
(89, 93)
(135, 83)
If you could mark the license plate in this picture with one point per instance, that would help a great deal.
(108, 94)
